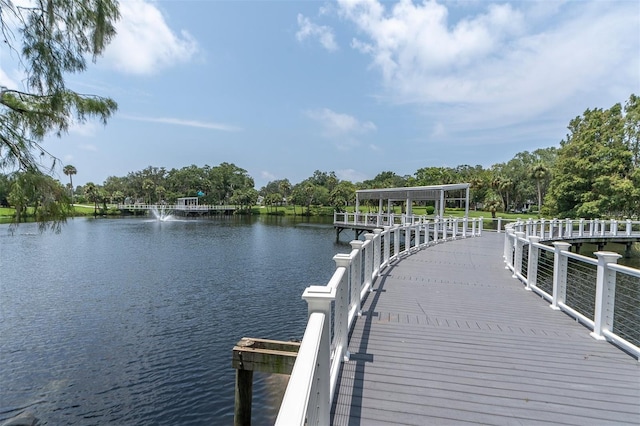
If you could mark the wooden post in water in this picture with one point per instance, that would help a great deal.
(267, 356)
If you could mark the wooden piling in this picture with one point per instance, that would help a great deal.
(267, 356)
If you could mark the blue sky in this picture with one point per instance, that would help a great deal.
(283, 88)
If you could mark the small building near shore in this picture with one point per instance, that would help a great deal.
(186, 202)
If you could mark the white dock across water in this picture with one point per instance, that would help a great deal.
(449, 337)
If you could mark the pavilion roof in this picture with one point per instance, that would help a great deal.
(416, 193)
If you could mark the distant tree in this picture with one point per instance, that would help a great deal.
(149, 187)
(117, 197)
(92, 194)
(386, 179)
(284, 187)
(343, 195)
(435, 176)
(244, 198)
(539, 173)
(70, 170)
(493, 204)
(273, 199)
(228, 178)
(594, 174)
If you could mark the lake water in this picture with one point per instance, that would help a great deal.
(132, 321)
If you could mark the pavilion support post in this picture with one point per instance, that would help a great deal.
(466, 208)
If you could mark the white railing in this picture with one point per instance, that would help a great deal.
(178, 207)
(553, 229)
(372, 220)
(378, 220)
(581, 286)
(333, 309)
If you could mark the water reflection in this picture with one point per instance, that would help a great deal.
(132, 321)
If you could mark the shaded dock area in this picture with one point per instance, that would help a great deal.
(449, 337)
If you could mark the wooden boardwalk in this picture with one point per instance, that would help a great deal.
(449, 337)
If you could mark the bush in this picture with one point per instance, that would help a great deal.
(430, 210)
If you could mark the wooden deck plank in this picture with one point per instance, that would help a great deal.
(449, 337)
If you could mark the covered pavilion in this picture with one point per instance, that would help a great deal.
(438, 193)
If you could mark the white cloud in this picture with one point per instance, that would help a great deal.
(336, 124)
(351, 175)
(438, 131)
(88, 147)
(342, 129)
(503, 63)
(87, 129)
(189, 123)
(7, 81)
(144, 42)
(324, 34)
(268, 176)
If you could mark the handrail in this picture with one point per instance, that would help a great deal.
(298, 401)
(340, 303)
(179, 207)
(610, 315)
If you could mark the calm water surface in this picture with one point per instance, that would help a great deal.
(132, 321)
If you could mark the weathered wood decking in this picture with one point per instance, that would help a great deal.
(448, 337)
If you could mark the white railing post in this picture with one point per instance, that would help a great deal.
(377, 246)
(387, 244)
(499, 224)
(368, 261)
(356, 275)
(560, 264)
(465, 222)
(396, 241)
(605, 294)
(507, 232)
(517, 261)
(542, 222)
(614, 227)
(435, 230)
(455, 228)
(581, 228)
(509, 248)
(529, 227)
(473, 227)
(319, 299)
(568, 228)
(629, 228)
(444, 223)
(341, 312)
(532, 262)
(407, 238)
(480, 225)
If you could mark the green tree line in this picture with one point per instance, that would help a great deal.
(595, 172)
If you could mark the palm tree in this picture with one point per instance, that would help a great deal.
(91, 191)
(70, 170)
(539, 173)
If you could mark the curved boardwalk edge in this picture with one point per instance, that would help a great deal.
(448, 337)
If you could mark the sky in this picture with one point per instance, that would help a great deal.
(358, 87)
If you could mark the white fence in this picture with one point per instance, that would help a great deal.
(581, 286)
(378, 220)
(334, 307)
(174, 207)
